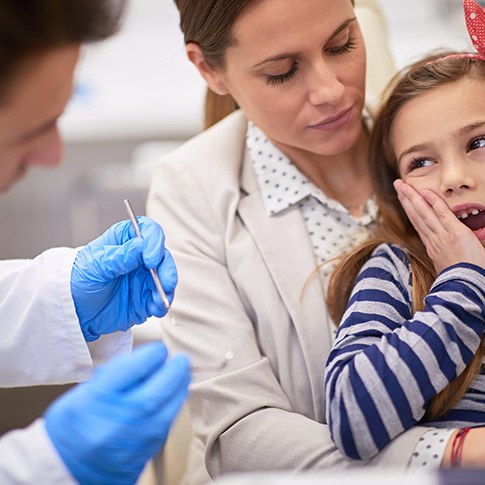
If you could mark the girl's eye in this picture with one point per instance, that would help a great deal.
(419, 163)
(282, 78)
(476, 143)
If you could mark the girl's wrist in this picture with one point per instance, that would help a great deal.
(457, 447)
(465, 449)
(446, 462)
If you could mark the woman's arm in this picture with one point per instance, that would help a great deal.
(387, 364)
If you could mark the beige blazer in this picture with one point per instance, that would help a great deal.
(245, 291)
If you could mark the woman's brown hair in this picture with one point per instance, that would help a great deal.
(208, 23)
(393, 225)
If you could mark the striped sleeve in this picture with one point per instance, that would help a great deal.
(386, 363)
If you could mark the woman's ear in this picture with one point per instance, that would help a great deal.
(212, 77)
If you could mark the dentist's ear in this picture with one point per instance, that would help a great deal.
(212, 77)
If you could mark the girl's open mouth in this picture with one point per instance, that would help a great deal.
(472, 214)
(475, 219)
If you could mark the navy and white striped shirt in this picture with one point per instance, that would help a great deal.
(387, 363)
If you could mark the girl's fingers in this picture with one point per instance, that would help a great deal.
(413, 216)
(420, 213)
(431, 209)
(445, 215)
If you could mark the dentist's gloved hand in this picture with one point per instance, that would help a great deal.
(110, 284)
(106, 429)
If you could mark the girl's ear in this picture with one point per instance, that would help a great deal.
(211, 76)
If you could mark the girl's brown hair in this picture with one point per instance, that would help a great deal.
(393, 225)
(208, 23)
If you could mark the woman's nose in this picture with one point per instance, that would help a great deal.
(325, 87)
(456, 176)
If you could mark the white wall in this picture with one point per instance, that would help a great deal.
(138, 84)
(418, 27)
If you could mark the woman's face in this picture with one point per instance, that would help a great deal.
(297, 70)
(443, 152)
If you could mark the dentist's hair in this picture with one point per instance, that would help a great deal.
(208, 23)
(30, 28)
(393, 225)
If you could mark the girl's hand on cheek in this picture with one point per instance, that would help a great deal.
(447, 240)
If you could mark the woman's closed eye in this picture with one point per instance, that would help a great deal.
(347, 46)
(283, 77)
(344, 42)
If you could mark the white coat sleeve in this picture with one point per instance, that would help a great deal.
(40, 337)
(27, 456)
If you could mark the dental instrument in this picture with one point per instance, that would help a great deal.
(153, 271)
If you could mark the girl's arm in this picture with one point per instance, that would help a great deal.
(387, 363)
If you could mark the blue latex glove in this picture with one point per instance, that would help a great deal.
(110, 284)
(106, 429)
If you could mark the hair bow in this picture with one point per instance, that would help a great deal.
(475, 23)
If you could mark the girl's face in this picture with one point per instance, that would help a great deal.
(297, 70)
(439, 142)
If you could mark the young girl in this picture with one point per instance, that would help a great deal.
(409, 346)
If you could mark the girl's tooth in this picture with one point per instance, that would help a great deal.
(475, 212)
(463, 216)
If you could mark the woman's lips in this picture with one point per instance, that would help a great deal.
(334, 121)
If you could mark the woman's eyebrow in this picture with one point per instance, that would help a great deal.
(287, 55)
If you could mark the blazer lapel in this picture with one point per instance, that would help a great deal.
(287, 251)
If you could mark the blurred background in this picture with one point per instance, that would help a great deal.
(136, 98)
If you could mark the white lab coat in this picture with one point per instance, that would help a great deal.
(41, 343)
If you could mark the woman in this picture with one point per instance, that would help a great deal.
(251, 208)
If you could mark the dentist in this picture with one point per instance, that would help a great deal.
(66, 310)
